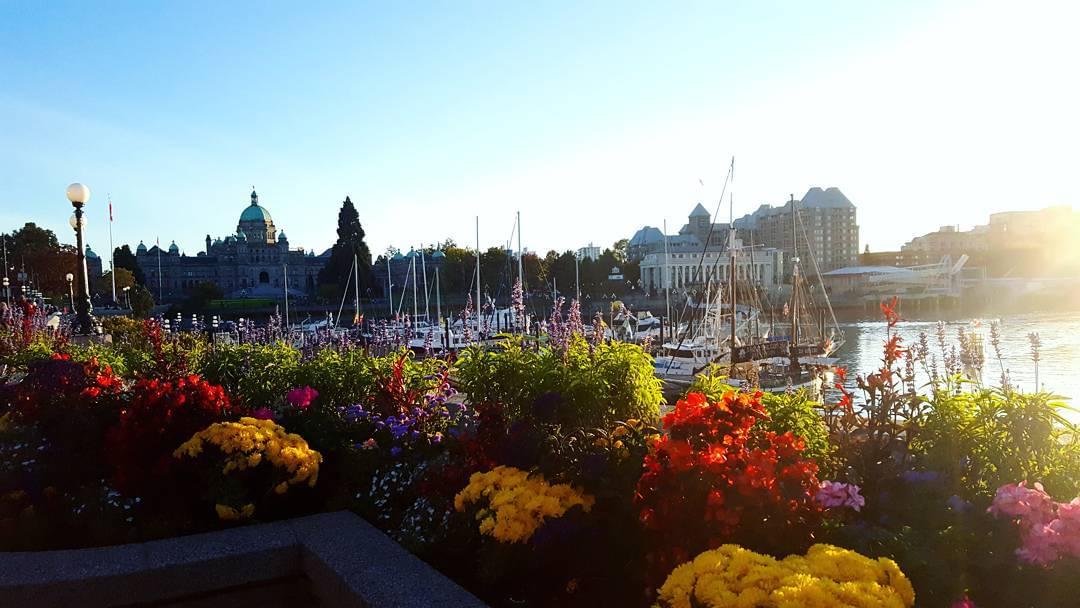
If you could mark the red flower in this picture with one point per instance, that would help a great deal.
(889, 310)
(709, 481)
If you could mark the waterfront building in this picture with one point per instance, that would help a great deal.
(948, 241)
(684, 266)
(827, 231)
(248, 264)
(699, 253)
(590, 252)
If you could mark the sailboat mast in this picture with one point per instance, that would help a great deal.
(521, 254)
(732, 254)
(667, 277)
(438, 298)
(415, 304)
(794, 290)
(389, 288)
(423, 266)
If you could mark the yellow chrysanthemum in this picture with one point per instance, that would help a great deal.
(514, 504)
(250, 442)
(826, 577)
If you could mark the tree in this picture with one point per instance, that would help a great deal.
(141, 302)
(124, 278)
(37, 251)
(202, 294)
(124, 258)
(621, 249)
(350, 245)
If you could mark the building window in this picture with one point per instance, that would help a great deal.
(264, 277)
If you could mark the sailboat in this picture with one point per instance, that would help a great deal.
(801, 360)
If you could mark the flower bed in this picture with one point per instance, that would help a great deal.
(554, 480)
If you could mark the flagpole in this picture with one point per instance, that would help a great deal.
(112, 253)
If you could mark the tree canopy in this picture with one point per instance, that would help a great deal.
(350, 243)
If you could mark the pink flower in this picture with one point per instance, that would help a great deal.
(1031, 505)
(1048, 530)
(302, 397)
(370, 444)
(263, 413)
(836, 494)
(964, 603)
(1041, 544)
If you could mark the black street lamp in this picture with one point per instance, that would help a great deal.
(71, 292)
(127, 296)
(7, 291)
(79, 195)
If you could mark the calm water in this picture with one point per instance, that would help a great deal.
(1059, 364)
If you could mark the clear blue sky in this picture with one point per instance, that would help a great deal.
(592, 118)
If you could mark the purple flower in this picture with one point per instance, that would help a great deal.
(921, 476)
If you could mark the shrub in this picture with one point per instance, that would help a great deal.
(597, 385)
(987, 438)
(255, 375)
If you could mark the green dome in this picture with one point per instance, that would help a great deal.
(255, 213)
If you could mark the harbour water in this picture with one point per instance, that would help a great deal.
(1059, 359)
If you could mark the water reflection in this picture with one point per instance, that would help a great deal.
(1058, 365)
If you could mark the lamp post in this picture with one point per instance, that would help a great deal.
(7, 291)
(127, 296)
(71, 293)
(79, 195)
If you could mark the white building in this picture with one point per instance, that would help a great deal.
(591, 252)
(684, 266)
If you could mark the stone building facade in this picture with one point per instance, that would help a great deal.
(825, 231)
(252, 263)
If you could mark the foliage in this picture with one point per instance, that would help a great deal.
(142, 301)
(731, 576)
(124, 278)
(985, 438)
(125, 259)
(255, 375)
(202, 294)
(709, 480)
(597, 385)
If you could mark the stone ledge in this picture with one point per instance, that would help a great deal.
(347, 560)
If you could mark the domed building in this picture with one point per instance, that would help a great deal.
(248, 264)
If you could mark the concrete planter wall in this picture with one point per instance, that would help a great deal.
(338, 558)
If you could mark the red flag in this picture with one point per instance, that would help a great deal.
(110, 211)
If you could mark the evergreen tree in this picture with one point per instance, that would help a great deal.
(124, 258)
(350, 243)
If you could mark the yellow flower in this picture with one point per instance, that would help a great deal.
(250, 442)
(513, 504)
(731, 576)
